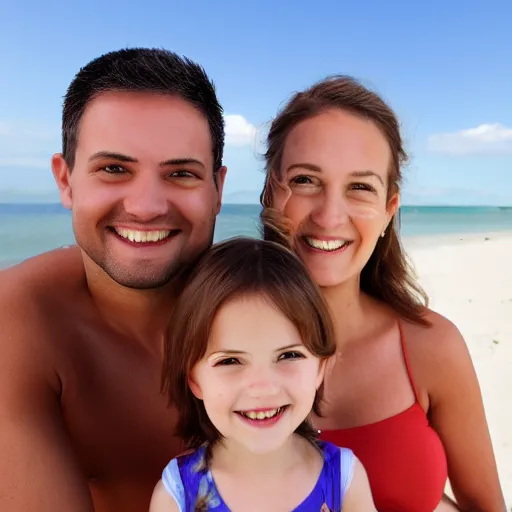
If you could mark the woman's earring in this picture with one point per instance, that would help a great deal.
(383, 234)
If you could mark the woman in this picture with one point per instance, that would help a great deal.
(404, 395)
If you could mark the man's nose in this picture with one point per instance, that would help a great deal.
(146, 198)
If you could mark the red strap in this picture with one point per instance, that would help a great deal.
(406, 359)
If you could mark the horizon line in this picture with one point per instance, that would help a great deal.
(425, 205)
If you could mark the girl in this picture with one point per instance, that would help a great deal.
(244, 365)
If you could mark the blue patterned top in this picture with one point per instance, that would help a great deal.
(188, 480)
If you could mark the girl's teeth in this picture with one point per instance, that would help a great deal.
(261, 415)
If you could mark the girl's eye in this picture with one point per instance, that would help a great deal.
(228, 361)
(291, 355)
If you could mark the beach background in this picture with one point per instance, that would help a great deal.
(462, 256)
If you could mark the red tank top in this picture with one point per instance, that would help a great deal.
(403, 456)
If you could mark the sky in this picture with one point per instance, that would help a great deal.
(444, 67)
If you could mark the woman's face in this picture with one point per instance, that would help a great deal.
(335, 172)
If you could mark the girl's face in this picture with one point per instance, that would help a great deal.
(257, 380)
(335, 176)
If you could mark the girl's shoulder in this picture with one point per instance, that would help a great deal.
(339, 463)
(187, 476)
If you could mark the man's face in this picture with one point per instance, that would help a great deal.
(143, 194)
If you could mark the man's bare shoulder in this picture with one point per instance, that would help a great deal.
(38, 467)
(41, 278)
(35, 297)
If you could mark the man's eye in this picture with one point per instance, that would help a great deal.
(113, 169)
(183, 174)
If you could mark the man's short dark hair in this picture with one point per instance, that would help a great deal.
(141, 70)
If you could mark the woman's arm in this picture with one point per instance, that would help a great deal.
(457, 414)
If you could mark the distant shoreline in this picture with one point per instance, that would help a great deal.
(57, 204)
(27, 229)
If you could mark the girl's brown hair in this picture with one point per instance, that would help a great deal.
(231, 269)
(388, 275)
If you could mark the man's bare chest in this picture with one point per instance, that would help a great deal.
(120, 424)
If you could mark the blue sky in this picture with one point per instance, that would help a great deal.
(444, 67)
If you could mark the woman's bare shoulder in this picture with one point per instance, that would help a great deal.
(435, 349)
(440, 335)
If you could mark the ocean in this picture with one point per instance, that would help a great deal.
(29, 229)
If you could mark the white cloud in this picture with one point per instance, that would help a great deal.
(25, 145)
(486, 139)
(239, 131)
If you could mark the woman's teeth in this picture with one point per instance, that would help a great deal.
(326, 245)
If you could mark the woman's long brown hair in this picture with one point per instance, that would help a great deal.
(388, 275)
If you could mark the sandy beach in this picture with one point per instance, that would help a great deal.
(469, 280)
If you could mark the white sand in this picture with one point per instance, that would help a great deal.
(469, 280)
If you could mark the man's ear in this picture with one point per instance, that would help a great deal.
(220, 178)
(62, 176)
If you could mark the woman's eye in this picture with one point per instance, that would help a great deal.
(302, 180)
(362, 186)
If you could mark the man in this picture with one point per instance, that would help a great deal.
(83, 425)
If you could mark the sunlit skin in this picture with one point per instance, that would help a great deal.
(256, 361)
(152, 175)
(334, 187)
(335, 167)
(83, 327)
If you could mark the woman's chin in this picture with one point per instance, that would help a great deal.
(327, 280)
(333, 278)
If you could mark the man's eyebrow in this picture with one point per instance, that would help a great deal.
(182, 161)
(112, 155)
(120, 157)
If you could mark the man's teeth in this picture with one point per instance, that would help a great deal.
(142, 236)
(261, 415)
(326, 245)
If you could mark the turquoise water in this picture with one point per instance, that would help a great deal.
(28, 229)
